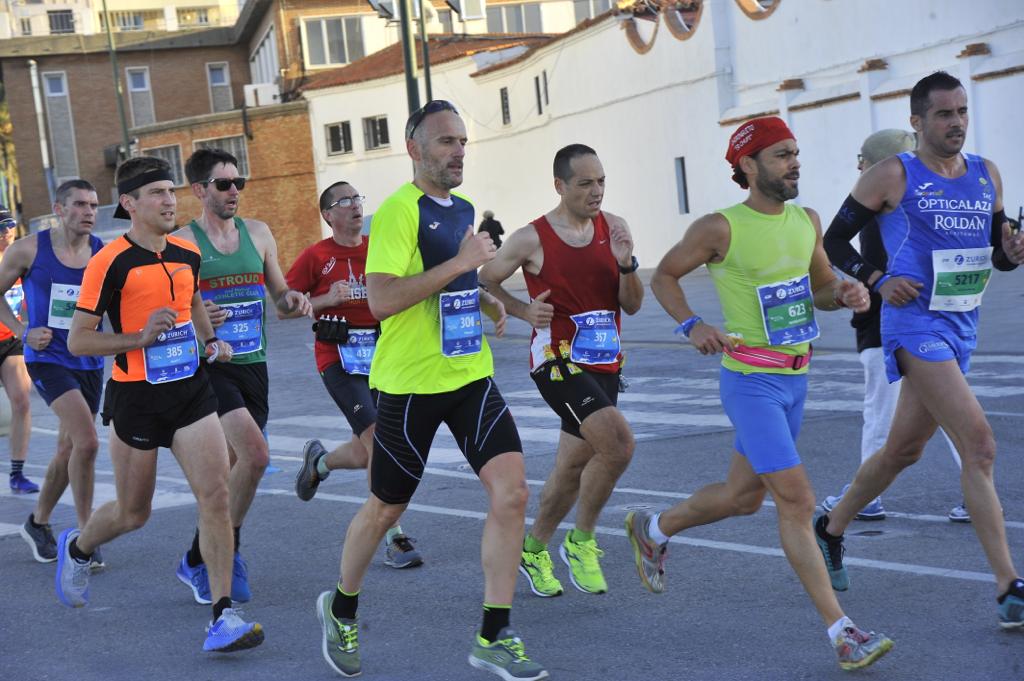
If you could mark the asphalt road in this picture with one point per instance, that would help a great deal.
(733, 608)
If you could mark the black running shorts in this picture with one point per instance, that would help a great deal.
(352, 394)
(241, 385)
(11, 347)
(146, 416)
(576, 397)
(476, 414)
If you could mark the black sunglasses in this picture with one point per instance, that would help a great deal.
(223, 184)
(8, 224)
(419, 114)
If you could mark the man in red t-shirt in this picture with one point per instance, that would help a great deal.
(333, 273)
(580, 273)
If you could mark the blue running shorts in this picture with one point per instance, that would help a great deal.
(931, 346)
(766, 411)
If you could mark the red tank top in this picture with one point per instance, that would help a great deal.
(581, 279)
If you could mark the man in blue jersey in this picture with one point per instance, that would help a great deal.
(941, 216)
(50, 265)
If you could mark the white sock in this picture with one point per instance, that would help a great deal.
(654, 531)
(322, 470)
(838, 626)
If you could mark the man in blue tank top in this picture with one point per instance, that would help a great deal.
(50, 265)
(941, 216)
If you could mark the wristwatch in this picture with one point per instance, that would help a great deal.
(633, 267)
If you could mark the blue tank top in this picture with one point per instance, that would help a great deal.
(939, 220)
(51, 291)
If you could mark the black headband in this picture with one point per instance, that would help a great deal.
(133, 183)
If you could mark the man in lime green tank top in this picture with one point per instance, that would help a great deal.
(238, 269)
(766, 259)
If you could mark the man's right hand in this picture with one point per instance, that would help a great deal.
(39, 337)
(539, 313)
(475, 250)
(899, 291)
(338, 293)
(161, 320)
(217, 314)
(708, 339)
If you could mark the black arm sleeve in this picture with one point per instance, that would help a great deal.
(851, 218)
(999, 259)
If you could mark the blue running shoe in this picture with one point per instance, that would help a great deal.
(230, 633)
(832, 551)
(196, 579)
(22, 485)
(72, 580)
(1011, 606)
(873, 511)
(240, 592)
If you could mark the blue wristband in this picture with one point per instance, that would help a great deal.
(881, 280)
(687, 325)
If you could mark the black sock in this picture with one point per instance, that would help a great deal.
(238, 541)
(77, 554)
(822, 532)
(496, 618)
(194, 558)
(32, 521)
(344, 605)
(220, 606)
(17, 467)
(1016, 588)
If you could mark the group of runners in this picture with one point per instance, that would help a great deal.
(399, 345)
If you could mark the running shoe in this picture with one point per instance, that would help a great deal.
(648, 555)
(873, 511)
(195, 578)
(340, 642)
(96, 563)
(832, 550)
(401, 553)
(230, 633)
(506, 657)
(72, 580)
(22, 485)
(308, 479)
(857, 649)
(240, 592)
(959, 514)
(40, 539)
(1011, 606)
(540, 574)
(584, 566)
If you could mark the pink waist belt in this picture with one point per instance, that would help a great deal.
(768, 359)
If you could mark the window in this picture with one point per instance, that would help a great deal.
(684, 198)
(55, 85)
(219, 77)
(588, 9)
(171, 154)
(375, 132)
(263, 64)
(61, 125)
(193, 16)
(506, 114)
(140, 96)
(447, 21)
(540, 102)
(514, 19)
(218, 73)
(130, 21)
(339, 138)
(61, 21)
(138, 79)
(26, 26)
(332, 40)
(233, 145)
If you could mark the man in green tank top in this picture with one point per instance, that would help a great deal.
(766, 259)
(239, 269)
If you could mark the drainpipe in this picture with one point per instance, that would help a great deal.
(44, 151)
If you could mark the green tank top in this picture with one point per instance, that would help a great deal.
(235, 282)
(765, 253)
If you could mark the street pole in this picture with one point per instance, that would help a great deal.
(426, 51)
(412, 90)
(117, 84)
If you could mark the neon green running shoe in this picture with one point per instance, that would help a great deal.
(506, 657)
(584, 568)
(340, 638)
(539, 573)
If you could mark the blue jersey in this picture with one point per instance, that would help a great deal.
(940, 235)
(51, 291)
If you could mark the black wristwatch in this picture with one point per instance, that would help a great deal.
(633, 267)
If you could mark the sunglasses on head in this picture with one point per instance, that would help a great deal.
(419, 114)
(8, 224)
(348, 201)
(223, 184)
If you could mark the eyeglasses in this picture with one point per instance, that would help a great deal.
(347, 201)
(860, 158)
(433, 106)
(7, 224)
(223, 184)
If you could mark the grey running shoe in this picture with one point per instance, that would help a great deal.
(648, 555)
(506, 657)
(857, 649)
(308, 479)
(340, 642)
(959, 514)
(873, 511)
(832, 551)
(72, 579)
(402, 553)
(40, 539)
(96, 563)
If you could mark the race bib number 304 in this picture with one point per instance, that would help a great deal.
(960, 277)
(461, 326)
(787, 310)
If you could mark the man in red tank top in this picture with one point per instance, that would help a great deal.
(580, 274)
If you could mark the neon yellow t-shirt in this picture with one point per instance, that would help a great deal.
(409, 229)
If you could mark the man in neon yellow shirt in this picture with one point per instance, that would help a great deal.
(432, 365)
(770, 270)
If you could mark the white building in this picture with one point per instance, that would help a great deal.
(659, 98)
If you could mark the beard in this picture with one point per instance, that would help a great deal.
(776, 188)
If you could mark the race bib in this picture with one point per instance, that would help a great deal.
(461, 326)
(960, 278)
(787, 311)
(357, 353)
(596, 340)
(63, 298)
(243, 329)
(15, 296)
(173, 356)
